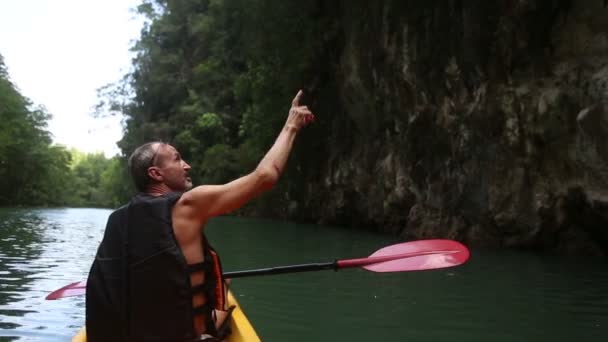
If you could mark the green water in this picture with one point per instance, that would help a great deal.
(496, 296)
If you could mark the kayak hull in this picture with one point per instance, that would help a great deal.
(242, 330)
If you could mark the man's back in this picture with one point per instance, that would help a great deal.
(105, 305)
(159, 303)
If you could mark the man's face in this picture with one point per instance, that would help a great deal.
(174, 170)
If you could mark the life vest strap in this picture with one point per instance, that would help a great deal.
(204, 288)
(204, 309)
(200, 266)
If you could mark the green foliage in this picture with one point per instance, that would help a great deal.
(219, 164)
(212, 77)
(35, 172)
(116, 183)
(215, 78)
(28, 164)
(86, 175)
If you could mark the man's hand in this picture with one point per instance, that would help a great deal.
(299, 116)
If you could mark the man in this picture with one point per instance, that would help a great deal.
(155, 277)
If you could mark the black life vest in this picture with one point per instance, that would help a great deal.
(138, 287)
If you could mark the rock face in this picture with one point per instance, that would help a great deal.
(483, 121)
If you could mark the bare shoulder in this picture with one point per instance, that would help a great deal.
(187, 220)
(197, 197)
(197, 204)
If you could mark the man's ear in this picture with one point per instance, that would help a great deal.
(154, 173)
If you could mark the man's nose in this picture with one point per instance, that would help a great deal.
(186, 166)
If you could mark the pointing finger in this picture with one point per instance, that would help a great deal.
(296, 100)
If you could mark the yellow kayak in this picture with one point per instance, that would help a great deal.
(242, 330)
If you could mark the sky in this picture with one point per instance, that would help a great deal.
(59, 52)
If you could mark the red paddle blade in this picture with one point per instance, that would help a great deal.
(74, 289)
(420, 255)
(412, 256)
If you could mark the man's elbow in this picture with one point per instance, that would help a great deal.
(267, 178)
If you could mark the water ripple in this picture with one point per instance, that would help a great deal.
(41, 251)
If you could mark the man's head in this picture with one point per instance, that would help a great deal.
(159, 166)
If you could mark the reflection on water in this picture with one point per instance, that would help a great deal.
(505, 296)
(40, 251)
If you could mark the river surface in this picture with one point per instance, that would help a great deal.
(496, 296)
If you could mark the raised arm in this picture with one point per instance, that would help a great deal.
(207, 201)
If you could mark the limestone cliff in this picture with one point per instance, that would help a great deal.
(484, 121)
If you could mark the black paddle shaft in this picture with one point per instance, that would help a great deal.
(283, 269)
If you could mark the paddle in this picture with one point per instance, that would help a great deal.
(407, 256)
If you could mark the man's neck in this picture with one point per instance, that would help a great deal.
(158, 189)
